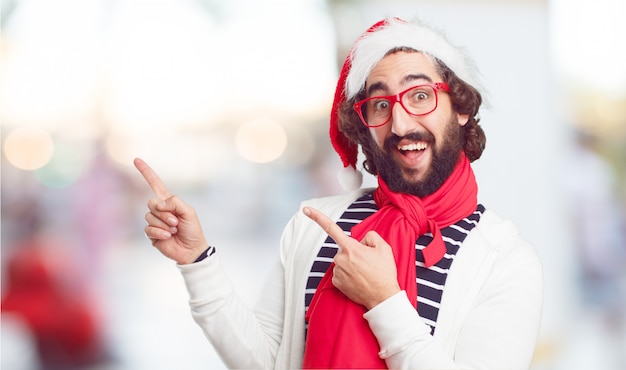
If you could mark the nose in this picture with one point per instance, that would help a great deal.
(401, 122)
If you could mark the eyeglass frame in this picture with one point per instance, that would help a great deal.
(397, 98)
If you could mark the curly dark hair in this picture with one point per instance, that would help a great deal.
(465, 100)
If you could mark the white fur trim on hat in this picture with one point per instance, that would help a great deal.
(372, 47)
(350, 178)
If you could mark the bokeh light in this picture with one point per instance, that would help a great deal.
(261, 140)
(66, 165)
(28, 148)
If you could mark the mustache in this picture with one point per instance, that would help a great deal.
(393, 140)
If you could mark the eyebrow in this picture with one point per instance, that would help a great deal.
(381, 86)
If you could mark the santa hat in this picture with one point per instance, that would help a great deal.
(370, 49)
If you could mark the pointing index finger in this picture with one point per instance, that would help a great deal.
(330, 227)
(157, 186)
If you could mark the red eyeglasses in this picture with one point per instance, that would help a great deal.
(418, 100)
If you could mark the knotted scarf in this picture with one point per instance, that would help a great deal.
(338, 336)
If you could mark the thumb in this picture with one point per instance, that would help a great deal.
(176, 206)
(373, 239)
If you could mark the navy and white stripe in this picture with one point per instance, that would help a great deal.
(430, 281)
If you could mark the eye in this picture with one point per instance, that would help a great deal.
(381, 105)
(419, 95)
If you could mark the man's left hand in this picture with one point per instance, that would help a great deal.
(367, 275)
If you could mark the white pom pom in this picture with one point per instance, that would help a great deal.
(350, 178)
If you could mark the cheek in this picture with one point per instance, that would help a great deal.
(379, 134)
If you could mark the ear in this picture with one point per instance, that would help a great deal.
(462, 118)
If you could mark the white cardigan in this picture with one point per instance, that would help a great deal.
(489, 315)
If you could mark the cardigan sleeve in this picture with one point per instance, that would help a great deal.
(243, 338)
(499, 331)
(502, 328)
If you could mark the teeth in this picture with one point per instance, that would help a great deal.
(413, 146)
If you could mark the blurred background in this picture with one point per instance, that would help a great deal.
(229, 102)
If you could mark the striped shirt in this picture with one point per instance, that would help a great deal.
(430, 281)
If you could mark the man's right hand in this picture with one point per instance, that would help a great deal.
(173, 225)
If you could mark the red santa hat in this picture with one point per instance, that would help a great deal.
(368, 50)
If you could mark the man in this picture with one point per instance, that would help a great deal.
(413, 274)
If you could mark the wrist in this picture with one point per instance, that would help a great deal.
(381, 298)
(195, 255)
(206, 253)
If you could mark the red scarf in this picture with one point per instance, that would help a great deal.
(338, 335)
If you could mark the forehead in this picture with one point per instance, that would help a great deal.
(396, 68)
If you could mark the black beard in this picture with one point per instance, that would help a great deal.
(444, 159)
